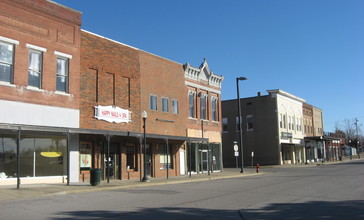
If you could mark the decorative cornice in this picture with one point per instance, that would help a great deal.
(203, 74)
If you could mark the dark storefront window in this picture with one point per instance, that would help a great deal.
(43, 156)
(166, 157)
(130, 158)
(8, 157)
(216, 159)
(191, 158)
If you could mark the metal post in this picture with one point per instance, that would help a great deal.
(167, 148)
(140, 160)
(108, 158)
(145, 178)
(190, 162)
(68, 157)
(18, 159)
(240, 130)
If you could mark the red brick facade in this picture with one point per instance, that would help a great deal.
(52, 27)
(109, 76)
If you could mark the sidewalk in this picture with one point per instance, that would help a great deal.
(10, 192)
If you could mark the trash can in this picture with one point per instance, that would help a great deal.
(95, 176)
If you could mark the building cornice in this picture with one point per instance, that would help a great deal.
(203, 74)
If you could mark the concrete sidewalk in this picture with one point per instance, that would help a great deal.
(10, 192)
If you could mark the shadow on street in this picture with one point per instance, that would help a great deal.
(310, 210)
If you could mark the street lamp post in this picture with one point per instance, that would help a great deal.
(240, 130)
(145, 178)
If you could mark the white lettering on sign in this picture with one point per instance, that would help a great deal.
(112, 114)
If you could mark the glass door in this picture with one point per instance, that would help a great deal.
(204, 161)
(114, 161)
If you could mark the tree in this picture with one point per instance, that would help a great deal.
(352, 130)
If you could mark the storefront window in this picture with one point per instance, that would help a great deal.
(166, 156)
(130, 157)
(191, 158)
(43, 157)
(7, 157)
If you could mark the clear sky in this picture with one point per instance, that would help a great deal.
(313, 49)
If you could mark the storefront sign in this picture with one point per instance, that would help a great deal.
(112, 114)
(286, 135)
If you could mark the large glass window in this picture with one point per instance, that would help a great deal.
(166, 156)
(175, 109)
(191, 102)
(8, 157)
(62, 74)
(35, 68)
(43, 156)
(130, 158)
(6, 62)
(164, 104)
(153, 102)
(203, 107)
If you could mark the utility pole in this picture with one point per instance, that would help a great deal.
(357, 137)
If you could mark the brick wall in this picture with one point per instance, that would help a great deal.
(50, 26)
(109, 76)
(163, 78)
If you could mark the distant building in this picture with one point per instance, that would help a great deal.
(314, 138)
(272, 129)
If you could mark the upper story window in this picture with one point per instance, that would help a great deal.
(62, 74)
(192, 105)
(175, 109)
(62, 81)
(35, 65)
(7, 51)
(164, 104)
(35, 68)
(249, 123)
(214, 109)
(224, 124)
(203, 106)
(289, 122)
(284, 121)
(153, 102)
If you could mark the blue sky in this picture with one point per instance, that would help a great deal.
(313, 49)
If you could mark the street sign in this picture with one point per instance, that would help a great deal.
(236, 153)
(236, 148)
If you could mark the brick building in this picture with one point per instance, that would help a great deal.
(109, 88)
(204, 117)
(272, 129)
(39, 84)
(72, 100)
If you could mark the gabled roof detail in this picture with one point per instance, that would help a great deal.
(203, 74)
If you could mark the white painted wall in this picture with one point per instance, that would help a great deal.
(74, 147)
(41, 115)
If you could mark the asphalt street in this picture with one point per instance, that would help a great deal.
(318, 192)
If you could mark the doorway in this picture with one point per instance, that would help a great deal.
(114, 161)
(204, 165)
